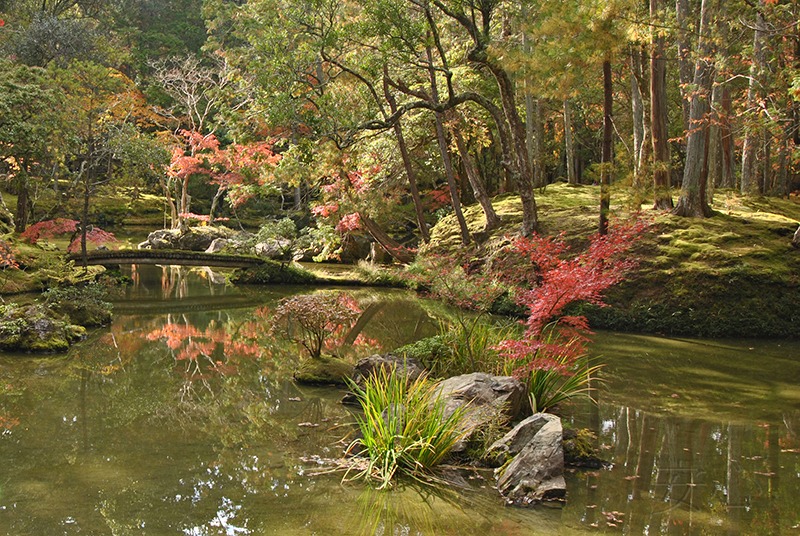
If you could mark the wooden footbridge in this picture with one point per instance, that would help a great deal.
(166, 257)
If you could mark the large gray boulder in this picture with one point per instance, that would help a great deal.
(486, 399)
(537, 472)
(193, 239)
(279, 248)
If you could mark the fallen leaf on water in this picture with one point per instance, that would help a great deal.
(308, 424)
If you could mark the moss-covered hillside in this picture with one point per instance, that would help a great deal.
(734, 274)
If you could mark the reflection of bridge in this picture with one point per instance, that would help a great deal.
(167, 257)
(204, 304)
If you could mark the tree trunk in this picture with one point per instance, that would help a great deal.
(392, 247)
(692, 202)
(568, 149)
(637, 115)
(445, 152)
(658, 116)
(410, 172)
(538, 170)
(714, 164)
(478, 188)
(608, 132)
(728, 154)
(685, 68)
(750, 145)
(21, 216)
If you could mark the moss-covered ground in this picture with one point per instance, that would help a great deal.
(733, 274)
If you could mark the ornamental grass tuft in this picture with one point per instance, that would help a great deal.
(404, 428)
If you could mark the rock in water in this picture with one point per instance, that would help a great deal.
(518, 438)
(537, 472)
(486, 399)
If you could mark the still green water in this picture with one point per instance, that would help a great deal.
(181, 418)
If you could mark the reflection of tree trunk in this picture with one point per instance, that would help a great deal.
(362, 321)
(734, 479)
(644, 472)
(392, 247)
(663, 476)
(773, 462)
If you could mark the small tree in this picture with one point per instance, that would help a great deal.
(310, 319)
(546, 355)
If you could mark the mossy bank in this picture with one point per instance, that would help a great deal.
(734, 274)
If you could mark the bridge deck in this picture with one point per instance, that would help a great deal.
(169, 257)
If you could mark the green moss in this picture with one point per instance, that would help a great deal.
(325, 370)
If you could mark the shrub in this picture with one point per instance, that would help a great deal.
(404, 427)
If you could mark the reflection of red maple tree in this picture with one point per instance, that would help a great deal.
(207, 352)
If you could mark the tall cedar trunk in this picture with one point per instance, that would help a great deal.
(538, 163)
(782, 186)
(692, 202)
(608, 132)
(751, 138)
(85, 219)
(478, 188)
(530, 121)
(728, 154)
(568, 148)
(714, 163)
(658, 115)
(685, 67)
(637, 115)
(410, 172)
(21, 216)
(392, 247)
(445, 152)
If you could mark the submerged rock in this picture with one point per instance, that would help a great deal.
(579, 450)
(537, 472)
(485, 399)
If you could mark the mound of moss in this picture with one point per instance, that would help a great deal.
(37, 329)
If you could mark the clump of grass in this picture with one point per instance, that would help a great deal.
(378, 275)
(404, 428)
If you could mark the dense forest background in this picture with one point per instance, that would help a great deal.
(386, 114)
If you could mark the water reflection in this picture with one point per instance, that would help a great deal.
(688, 457)
(181, 418)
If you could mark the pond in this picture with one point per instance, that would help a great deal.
(181, 418)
